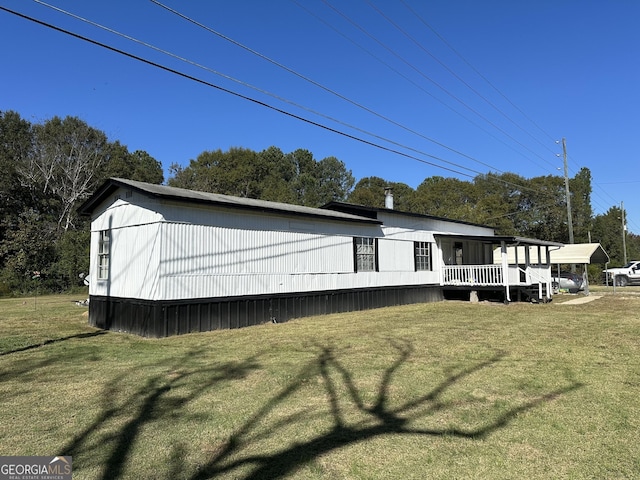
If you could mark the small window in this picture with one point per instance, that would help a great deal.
(422, 255)
(365, 254)
(104, 247)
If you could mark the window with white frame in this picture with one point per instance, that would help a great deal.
(104, 247)
(422, 255)
(365, 254)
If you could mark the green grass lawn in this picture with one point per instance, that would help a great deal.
(442, 390)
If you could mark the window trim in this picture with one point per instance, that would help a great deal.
(429, 256)
(374, 244)
(104, 254)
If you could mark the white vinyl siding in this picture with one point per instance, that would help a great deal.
(163, 250)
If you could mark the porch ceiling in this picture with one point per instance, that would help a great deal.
(498, 239)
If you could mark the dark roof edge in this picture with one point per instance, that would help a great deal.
(372, 211)
(510, 240)
(205, 198)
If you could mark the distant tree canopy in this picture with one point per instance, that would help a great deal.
(513, 205)
(294, 177)
(50, 168)
(607, 230)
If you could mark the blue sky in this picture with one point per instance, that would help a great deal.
(465, 87)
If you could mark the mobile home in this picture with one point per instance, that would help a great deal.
(167, 261)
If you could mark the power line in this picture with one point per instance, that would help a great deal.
(368, 52)
(618, 183)
(317, 84)
(190, 77)
(253, 87)
(418, 86)
(415, 84)
(226, 90)
(459, 55)
(453, 73)
(426, 77)
(313, 82)
(255, 101)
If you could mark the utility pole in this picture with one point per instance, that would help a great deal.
(624, 233)
(566, 187)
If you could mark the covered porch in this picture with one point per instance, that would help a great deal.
(514, 266)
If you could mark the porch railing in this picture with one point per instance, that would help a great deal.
(485, 275)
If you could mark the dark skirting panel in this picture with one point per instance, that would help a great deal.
(176, 317)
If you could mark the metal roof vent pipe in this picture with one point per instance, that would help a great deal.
(388, 198)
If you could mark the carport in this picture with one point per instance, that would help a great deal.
(571, 254)
(582, 254)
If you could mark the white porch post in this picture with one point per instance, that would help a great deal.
(439, 261)
(527, 264)
(505, 268)
(539, 269)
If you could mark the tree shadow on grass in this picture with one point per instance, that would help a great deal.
(13, 367)
(152, 402)
(380, 418)
(54, 340)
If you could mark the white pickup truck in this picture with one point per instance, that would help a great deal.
(623, 276)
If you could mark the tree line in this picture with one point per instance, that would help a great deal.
(50, 168)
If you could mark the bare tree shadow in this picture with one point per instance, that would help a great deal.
(380, 418)
(13, 367)
(153, 404)
(54, 340)
(164, 395)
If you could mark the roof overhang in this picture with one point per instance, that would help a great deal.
(372, 212)
(580, 253)
(498, 239)
(163, 192)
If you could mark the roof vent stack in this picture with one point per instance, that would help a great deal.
(388, 198)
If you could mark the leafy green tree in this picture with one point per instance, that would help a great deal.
(72, 256)
(139, 165)
(334, 180)
(498, 201)
(28, 250)
(581, 211)
(543, 212)
(295, 177)
(15, 144)
(49, 169)
(238, 172)
(276, 185)
(305, 181)
(448, 198)
(370, 191)
(633, 246)
(607, 231)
